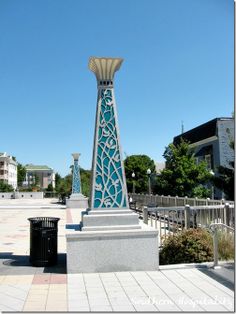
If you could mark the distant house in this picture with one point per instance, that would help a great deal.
(159, 167)
(211, 142)
(43, 175)
(8, 170)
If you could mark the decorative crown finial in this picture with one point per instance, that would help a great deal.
(104, 68)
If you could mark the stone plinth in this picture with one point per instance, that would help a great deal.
(109, 219)
(108, 251)
(77, 201)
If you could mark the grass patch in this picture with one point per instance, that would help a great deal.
(225, 245)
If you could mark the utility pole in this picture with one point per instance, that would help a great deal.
(182, 127)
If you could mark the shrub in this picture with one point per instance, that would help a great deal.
(187, 246)
(225, 245)
(5, 187)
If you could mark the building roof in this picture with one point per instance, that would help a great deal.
(31, 167)
(10, 159)
(201, 132)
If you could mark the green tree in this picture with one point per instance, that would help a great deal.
(201, 191)
(139, 165)
(58, 179)
(182, 175)
(21, 173)
(36, 180)
(49, 188)
(64, 186)
(85, 176)
(5, 187)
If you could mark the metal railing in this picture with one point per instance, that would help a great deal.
(169, 220)
(48, 194)
(169, 201)
(214, 228)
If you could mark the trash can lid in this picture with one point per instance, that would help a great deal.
(37, 219)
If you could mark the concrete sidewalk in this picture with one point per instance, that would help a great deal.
(27, 288)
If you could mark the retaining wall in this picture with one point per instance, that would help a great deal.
(18, 195)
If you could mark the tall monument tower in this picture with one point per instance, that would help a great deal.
(111, 237)
(77, 199)
(108, 183)
(76, 182)
(109, 199)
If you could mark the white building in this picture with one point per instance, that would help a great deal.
(8, 170)
(44, 174)
(160, 166)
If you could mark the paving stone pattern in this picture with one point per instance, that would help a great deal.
(27, 288)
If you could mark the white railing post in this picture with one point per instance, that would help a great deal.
(162, 200)
(215, 247)
(155, 200)
(145, 215)
(145, 200)
(176, 200)
(227, 214)
(187, 217)
(185, 200)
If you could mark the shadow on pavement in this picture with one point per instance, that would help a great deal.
(19, 265)
(224, 275)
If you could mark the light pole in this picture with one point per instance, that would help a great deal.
(133, 176)
(212, 186)
(149, 181)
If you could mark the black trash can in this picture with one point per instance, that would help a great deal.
(43, 241)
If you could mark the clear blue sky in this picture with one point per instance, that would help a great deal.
(178, 65)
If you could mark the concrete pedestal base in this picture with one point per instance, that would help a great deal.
(110, 219)
(116, 250)
(77, 201)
